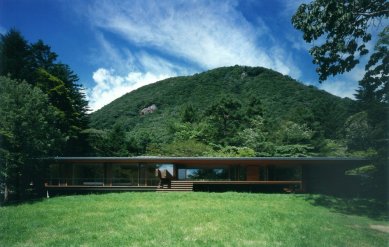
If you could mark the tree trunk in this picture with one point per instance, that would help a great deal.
(6, 193)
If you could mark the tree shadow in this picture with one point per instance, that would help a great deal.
(372, 208)
(20, 202)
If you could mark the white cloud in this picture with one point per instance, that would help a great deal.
(290, 7)
(345, 85)
(111, 56)
(340, 88)
(158, 65)
(110, 86)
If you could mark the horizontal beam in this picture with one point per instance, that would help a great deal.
(216, 161)
(246, 182)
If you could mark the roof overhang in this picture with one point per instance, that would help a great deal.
(218, 161)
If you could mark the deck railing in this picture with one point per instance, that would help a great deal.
(102, 182)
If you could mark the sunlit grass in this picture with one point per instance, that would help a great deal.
(185, 219)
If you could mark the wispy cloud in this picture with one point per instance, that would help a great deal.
(340, 88)
(209, 34)
(290, 7)
(345, 85)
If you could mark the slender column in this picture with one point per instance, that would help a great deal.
(138, 174)
(67, 172)
(107, 174)
(175, 171)
(304, 179)
(73, 174)
(145, 173)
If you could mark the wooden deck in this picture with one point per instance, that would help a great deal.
(176, 186)
(248, 182)
(85, 188)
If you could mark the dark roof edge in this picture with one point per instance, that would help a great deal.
(166, 158)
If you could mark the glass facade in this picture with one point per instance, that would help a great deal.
(103, 174)
(144, 174)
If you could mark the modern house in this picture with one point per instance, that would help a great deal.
(259, 174)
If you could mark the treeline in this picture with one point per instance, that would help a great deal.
(43, 112)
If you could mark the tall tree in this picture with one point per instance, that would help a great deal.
(225, 115)
(358, 132)
(188, 114)
(37, 64)
(14, 55)
(374, 86)
(117, 144)
(74, 106)
(373, 92)
(27, 132)
(41, 56)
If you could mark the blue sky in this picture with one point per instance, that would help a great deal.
(118, 46)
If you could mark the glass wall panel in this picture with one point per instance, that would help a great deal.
(207, 174)
(263, 173)
(282, 173)
(125, 175)
(242, 173)
(235, 172)
(88, 174)
(149, 174)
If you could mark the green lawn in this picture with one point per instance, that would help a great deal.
(194, 219)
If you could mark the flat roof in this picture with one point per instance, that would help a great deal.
(217, 160)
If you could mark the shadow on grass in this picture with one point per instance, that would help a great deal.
(17, 202)
(372, 208)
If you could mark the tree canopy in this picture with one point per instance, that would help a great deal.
(27, 132)
(37, 65)
(339, 31)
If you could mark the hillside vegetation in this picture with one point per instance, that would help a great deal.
(229, 111)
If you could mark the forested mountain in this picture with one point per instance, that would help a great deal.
(222, 110)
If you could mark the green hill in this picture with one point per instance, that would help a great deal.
(280, 98)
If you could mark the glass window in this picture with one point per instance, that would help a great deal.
(126, 175)
(85, 174)
(283, 173)
(208, 174)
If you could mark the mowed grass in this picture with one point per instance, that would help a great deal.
(188, 219)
